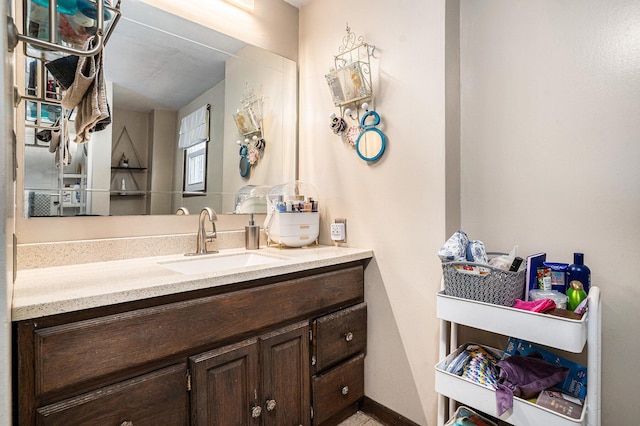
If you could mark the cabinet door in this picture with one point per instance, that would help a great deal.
(153, 399)
(285, 370)
(224, 386)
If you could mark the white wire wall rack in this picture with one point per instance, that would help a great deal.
(350, 79)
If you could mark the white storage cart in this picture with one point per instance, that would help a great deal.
(556, 332)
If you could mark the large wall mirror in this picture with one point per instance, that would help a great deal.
(159, 69)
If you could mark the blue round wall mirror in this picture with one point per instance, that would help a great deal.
(371, 142)
(244, 166)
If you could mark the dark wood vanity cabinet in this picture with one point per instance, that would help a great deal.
(258, 381)
(286, 350)
(155, 398)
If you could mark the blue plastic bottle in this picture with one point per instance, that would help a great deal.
(579, 271)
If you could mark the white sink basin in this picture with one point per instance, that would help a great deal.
(218, 263)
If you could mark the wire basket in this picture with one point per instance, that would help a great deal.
(483, 283)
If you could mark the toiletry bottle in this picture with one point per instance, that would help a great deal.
(76, 194)
(575, 295)
(578, 271)
(252, 235)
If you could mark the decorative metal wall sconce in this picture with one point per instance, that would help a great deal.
(248, 120)
(352, 90)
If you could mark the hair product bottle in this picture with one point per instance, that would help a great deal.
(575, 295)
(578, 271)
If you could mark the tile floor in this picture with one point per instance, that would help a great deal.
(360, 419)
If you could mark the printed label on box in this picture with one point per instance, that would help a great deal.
(472, 270)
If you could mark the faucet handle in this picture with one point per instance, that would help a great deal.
(213, 216)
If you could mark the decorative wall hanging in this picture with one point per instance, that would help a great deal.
(371, 141)
(249, 122)
(351, 89)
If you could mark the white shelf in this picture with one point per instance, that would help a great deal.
(568, 334)
(556, 332)
(523, 413)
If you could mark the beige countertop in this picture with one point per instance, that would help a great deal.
(60, 289)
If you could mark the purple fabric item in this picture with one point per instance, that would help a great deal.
(525, 377)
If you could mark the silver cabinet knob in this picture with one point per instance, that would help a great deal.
(348, 337)
(271, 404)
(126, 423)
(256, 411)
(345, 390)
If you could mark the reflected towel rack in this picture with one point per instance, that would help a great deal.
(14, 35)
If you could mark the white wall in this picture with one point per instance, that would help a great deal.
(273, 78)
(549, 100)
(163, 134)
(215, 150)
(397, 205)
(98, 171)
(550, 105)
(7, 209)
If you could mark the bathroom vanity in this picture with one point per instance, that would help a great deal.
(275, 344)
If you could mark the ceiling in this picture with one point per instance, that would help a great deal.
(298, 3)
(160, 61)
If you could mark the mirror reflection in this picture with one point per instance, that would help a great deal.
(159, 70)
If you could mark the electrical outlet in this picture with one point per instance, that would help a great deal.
(339, 230)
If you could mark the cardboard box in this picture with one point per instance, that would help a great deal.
(575, 383)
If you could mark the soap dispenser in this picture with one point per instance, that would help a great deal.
(252, 235)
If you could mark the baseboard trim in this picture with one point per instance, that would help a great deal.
(384, 414)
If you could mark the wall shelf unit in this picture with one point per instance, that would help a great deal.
(125, 170)
(568, 335)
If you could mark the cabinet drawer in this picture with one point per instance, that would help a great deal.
(155, 398)
(339, 335)
(337, 388)
(78, 352)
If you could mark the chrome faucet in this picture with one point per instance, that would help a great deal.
(203, 237)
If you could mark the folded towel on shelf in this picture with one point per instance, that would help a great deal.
(88, 93)
(481, 367)
(476, 364)
(542, 305)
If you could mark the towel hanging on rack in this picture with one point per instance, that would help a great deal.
(88, 93)
(194, 128)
